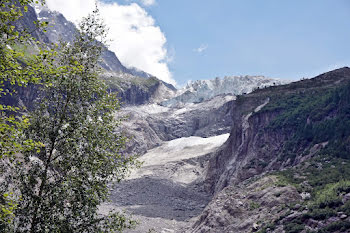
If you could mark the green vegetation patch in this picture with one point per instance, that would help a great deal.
(326, 179)
(311, 117)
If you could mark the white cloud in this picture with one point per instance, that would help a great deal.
(201, 48)
(136, 39)
(148, 2)
(144, 2)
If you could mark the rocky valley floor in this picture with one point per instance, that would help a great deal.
(166, 193)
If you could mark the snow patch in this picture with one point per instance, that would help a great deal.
(147, 109)
(181, 149)
(170, 160)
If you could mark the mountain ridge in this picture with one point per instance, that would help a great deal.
(200, 90)
(61, 29)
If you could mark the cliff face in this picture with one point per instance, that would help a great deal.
(260, 141)
(133, 90)
(278, 128)
(249, 150)
(27, 23)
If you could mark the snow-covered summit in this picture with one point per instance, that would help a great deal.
(201, 90)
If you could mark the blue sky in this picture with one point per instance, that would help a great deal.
(205, 39)
(282, 39)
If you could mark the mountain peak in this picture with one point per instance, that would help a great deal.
(62, 29)
(201, 90)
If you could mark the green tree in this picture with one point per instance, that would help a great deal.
(15, 70)
(60, 187)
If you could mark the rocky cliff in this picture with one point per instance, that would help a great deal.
(133, 90)
(258, 142)
(280, 128)
(27, 23)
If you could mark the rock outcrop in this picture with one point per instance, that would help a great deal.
(246, 207)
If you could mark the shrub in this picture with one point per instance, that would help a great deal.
(330, 195)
